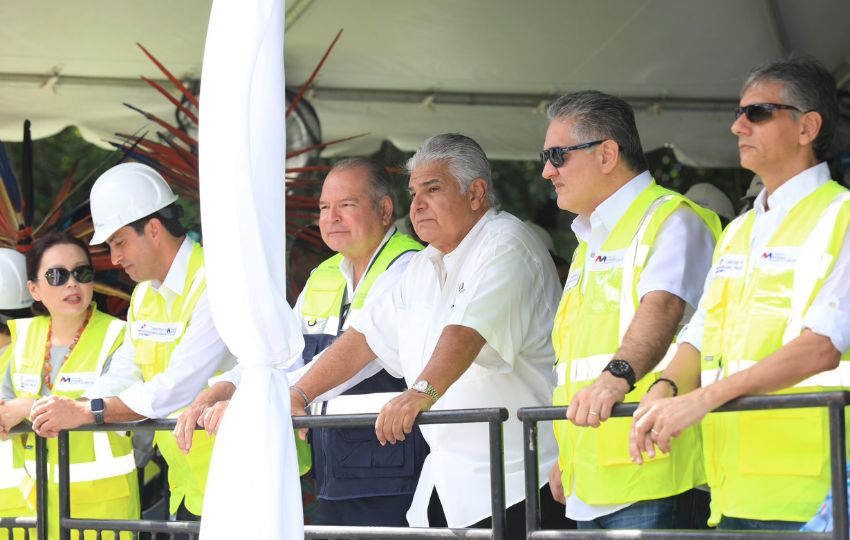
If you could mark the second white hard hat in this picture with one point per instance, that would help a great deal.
(125, 193)
(13, 280)
(708, 196)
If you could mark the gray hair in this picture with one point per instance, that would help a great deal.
(380, 183)
(807, 85)
(600, 116)
(465, 158)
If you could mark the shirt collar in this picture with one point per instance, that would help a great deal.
(438, 258)
(347, 267)
(793, 190)
(175, 279)
(611, 210)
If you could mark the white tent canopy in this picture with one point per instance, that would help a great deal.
(407, 69)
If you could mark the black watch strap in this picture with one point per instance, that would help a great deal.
(97, 410)
(623, 370)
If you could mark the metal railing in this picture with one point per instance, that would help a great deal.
(834, 401)
(39, 523)
(494, 417)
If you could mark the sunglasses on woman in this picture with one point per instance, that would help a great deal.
(759, 112)
(59, 276)
(557, 155)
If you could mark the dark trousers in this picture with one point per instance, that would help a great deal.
(551, 515)
(688, 510)
(182, 515)
(384, 511)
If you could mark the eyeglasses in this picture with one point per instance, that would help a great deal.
(759, 112)
(557, 154)
(57, 277)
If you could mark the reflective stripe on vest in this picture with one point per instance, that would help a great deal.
(589, 327)
(105, 464)
(770, 465)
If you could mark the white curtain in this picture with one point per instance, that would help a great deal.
(253, 487)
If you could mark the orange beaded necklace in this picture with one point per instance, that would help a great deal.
(47, 367)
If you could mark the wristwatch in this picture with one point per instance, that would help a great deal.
(425, 387)
(623, 370)
(97, 410)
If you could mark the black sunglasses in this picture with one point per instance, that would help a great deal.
(759, 112)
(57, 277)
(557, 154)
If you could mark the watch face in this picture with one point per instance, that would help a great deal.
(420, 386)
(620, 368)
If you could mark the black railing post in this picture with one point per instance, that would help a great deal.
(838, 463)
(41, 479)
(497, 480)
(532, 477)
(64, 485)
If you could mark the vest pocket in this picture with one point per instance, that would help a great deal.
(612, 440)
(781, 443)
(356, 453)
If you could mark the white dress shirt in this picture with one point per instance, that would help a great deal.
(829, 314)
(678, 262)
(501, 282)
(200, 353)
(298, 369)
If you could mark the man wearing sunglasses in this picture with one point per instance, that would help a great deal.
(774, 317)
(642, 257)
(174, 346)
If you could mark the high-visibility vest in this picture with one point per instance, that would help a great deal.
(17, 495)
(772, 464)
(350, 463)
(155, 332)
(589, 327)
(103, 476)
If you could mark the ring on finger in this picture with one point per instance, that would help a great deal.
(594, 413)
(653, 431)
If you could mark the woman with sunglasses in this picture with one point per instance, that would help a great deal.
(61, 352)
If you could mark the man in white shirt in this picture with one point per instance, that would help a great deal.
(774, 317)
(642, 257)
(358, 481)
(172, 346)
(467, 325)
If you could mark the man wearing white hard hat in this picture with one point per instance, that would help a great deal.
(16, 485)
(174, 346)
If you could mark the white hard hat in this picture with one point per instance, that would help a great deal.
(756, 185)
(125, 193)
(542, 234)
(13, 280)
(708, 196)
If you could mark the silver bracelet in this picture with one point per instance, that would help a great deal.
(302, 394)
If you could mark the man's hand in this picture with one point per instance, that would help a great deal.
(658, 421)
(555, 484)
(184, 430)
(592, 404)
(53, 414)
(398, 415)
(212, 417)
(12, 413)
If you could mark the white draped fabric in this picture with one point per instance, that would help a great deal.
(253, 488)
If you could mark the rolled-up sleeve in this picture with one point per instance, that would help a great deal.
(829, 314)
(378, 321)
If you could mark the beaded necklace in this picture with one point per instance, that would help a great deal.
(47, 367)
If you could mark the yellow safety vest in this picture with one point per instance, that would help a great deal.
(17, 496)
(103, 477)
(155, 332)
(770, 465)
(587, 332)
